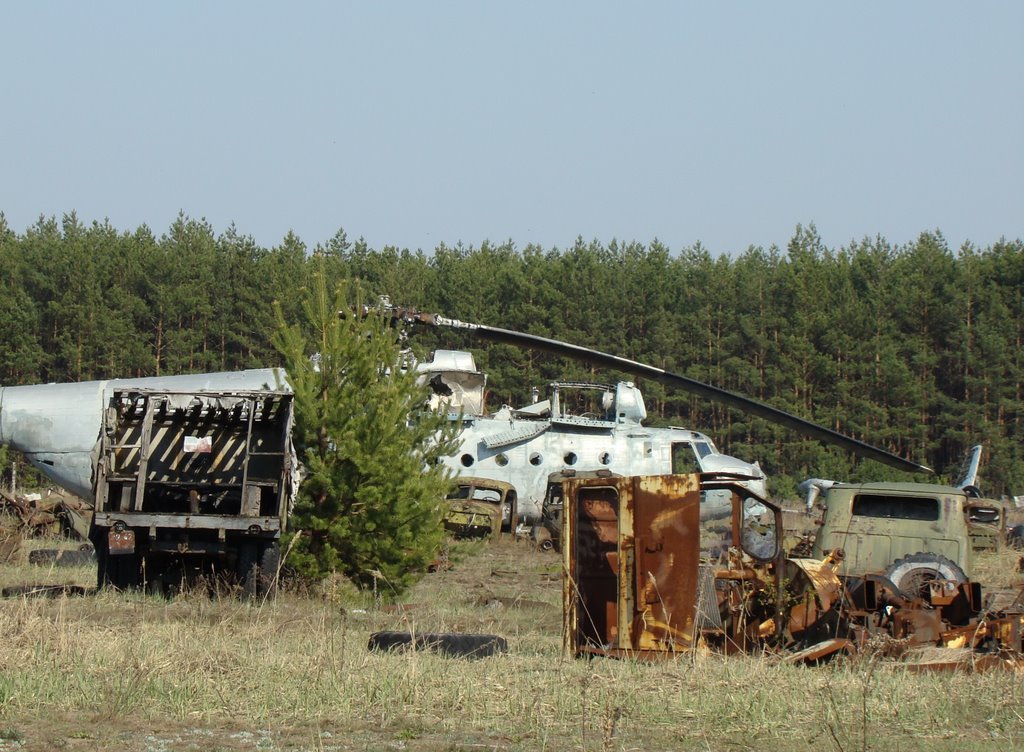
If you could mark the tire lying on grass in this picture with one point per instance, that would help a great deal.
(451, 644)
(59, 558)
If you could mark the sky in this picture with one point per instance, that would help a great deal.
(413, 124)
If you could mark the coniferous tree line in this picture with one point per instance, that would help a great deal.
(916, 348)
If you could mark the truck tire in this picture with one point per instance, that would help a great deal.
(257, 568)
(102, 573)
(77, 558)
(451, 644)
(248, 568)
(61, 558)
(270, 564)
(127, 571)
(912, 573)
(1015, 537)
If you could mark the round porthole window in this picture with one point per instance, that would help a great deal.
(501, 460)
(536, 459)
(605, 458)
(570, 458)
(467, 460)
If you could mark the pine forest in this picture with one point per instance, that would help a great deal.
(916, 348)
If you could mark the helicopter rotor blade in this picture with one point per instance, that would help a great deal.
(712, 393)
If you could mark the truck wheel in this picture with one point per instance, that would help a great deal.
(248, 568)
(127, 571)
(75, 558)
(1015, 537)
(270, 564)
(257, 568)
(912, 573)
(154, 570)
(102, 570)
(120, 571)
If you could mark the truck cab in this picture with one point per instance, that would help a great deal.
(909, 532)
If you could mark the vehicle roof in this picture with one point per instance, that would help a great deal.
(924, 489)
(472, 480)
(559, 475)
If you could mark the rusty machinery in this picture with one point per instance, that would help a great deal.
(647, 578)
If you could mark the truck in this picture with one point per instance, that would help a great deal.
(192, 484)
(910, 533)
(481, 508)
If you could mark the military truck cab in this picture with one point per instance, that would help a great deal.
(909, 532)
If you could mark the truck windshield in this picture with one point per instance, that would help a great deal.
(896, 507)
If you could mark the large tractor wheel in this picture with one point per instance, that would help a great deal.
(912, 573)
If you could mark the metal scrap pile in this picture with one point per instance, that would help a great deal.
(868, 613)
(34, 515)
(647, 577)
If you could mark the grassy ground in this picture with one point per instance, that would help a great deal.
(130, 672)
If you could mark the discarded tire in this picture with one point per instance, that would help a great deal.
(59, 558)
(912, 573)
(449, 644)
(43, 556)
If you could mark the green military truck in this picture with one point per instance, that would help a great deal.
(910, 533)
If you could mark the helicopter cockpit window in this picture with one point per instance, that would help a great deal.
(759, 535)
(684, 459)
(703, 449)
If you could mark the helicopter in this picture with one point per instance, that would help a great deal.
(580, 426)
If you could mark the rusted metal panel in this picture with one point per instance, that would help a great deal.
(666, 538)
(632, 557)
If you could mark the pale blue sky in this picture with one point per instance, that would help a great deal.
(412, 124)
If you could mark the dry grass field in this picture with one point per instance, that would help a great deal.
(133, 672)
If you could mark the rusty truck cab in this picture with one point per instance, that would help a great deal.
(646, 577)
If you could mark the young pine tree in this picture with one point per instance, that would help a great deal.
(370, 504)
